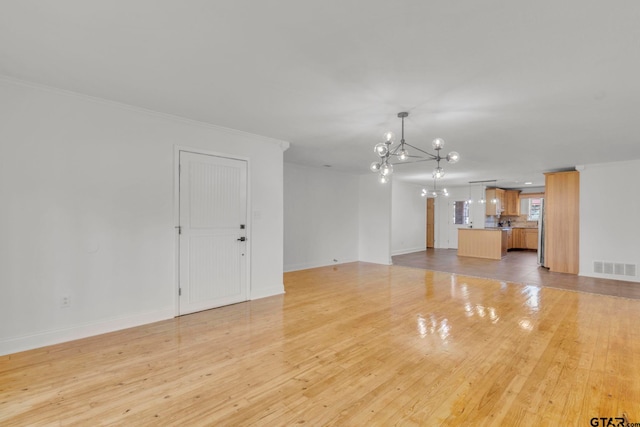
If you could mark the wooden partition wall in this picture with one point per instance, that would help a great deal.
(430, 224)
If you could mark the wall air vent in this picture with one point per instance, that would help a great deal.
(598, 267)
(614, 268)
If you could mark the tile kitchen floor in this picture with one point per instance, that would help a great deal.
(518, 267)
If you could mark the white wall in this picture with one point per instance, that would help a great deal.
(408, 218)
(87, 190)
(446, 233)
(320, 217)
(333, 215)
(528, 190)
(374, 220)
(478, 210)
(609, 216)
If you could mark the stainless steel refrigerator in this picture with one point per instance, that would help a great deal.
(541, 235)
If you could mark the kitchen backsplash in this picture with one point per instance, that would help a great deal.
(516, 221)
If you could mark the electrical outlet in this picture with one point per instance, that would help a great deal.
(65, 301)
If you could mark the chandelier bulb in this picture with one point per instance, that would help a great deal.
(403, 154)
(375, 167)
(383, 179)
(389, 137)
(438, 173)
(386, 169)
(453, 157)
(381, 149)
(437, 143)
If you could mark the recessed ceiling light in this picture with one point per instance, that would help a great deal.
(528, 183)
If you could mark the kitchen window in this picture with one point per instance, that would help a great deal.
(535, 206)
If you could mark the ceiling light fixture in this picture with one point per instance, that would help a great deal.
(435, 192)
(385, 150)
(482, 200)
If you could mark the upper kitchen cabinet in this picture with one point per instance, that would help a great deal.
(495, 201)
(562, 221)
(511, 202)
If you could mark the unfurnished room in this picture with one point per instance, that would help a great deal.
(347, 213)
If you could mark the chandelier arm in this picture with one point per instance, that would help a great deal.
(412, 161)
(422, 157)
(395, 150)
(433, 156)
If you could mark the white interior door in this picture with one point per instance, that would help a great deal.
(213, 213)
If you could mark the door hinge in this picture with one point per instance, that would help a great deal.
(179, 227)
(179, 292)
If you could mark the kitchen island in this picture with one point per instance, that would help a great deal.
(489, 243)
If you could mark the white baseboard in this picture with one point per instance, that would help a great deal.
(268, 292)
(308, 265)
(381, 261)
(408, 251)
(45, 338)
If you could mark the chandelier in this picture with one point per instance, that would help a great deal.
(435, 192)
(385, 150)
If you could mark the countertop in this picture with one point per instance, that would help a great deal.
(508, 228)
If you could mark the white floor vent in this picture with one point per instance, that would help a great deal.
(614, 268)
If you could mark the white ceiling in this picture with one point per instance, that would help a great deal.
(517, 88)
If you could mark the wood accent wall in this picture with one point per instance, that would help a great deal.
(562, 221)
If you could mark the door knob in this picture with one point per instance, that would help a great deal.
(242, 239)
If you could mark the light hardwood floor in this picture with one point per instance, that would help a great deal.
(351, 345)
